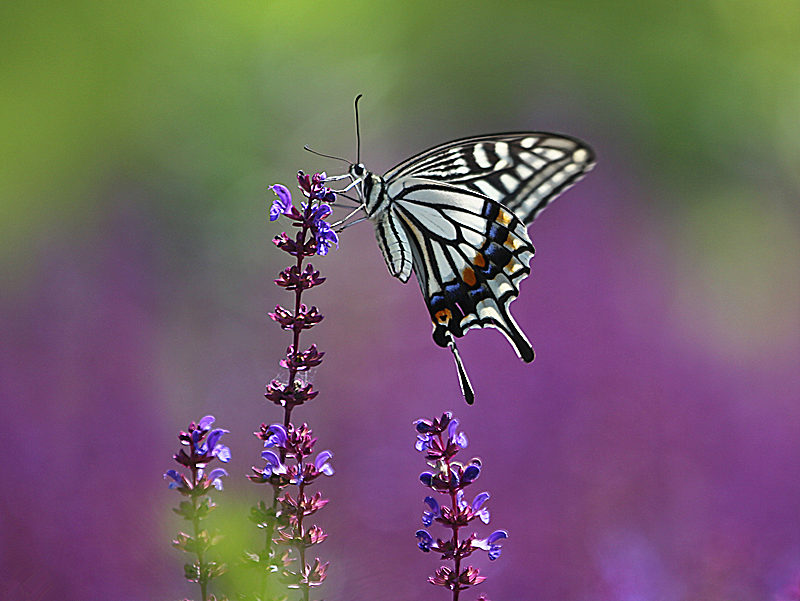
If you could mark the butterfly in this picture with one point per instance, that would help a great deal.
(456, 216)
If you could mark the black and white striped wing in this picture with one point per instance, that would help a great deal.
(522, 171)
(469, 254)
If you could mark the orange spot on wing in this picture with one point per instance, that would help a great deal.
(504, 217)
(469, 276)
(513, 266)
(443, 316)
(479, 260)
(512, 243)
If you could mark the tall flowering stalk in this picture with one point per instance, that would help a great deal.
(289, 448)
(440, 441)
(204, 447)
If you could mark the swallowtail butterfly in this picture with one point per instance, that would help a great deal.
(456, 215)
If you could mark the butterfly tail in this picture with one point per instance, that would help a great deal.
(463, 378)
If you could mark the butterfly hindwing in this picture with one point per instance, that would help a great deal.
(522, 171)
(469, 254)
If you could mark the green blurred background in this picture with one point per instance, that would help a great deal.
(138, 141)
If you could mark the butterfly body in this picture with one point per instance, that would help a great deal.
(456, 216)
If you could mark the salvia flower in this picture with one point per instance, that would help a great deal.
(274, 464)
(282, 205)
(431, 514)
(479, 510)
(325, 237)
(213, 447)
(322, 463)
(204, 447)
(288, 449)
(491, 543)
(178, 480)
(455, 437)
(274, 436)
(440, 440)
(215, 477)
(425, 540)
(313, 187)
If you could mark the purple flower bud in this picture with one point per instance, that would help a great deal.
(423, 426)
(425, 540)
(470, 474)
(426, 478)
(281, 205)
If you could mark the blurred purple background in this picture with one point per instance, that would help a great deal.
(649, 453)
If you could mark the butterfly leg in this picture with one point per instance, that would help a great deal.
(463, 378)
(347, 225)
(349, 215)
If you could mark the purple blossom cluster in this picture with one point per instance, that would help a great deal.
(285, 521)
(314, 237)
(311, 215)
(440, 441)
(204, 446)
(288, 449)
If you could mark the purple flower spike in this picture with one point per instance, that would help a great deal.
(201, 445)
(425, 540)
(281, 205)
(435, 512)
(321, 463)
(440, 441)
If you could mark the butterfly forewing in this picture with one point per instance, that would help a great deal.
(522, 171)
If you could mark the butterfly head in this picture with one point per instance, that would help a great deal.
(357, 171)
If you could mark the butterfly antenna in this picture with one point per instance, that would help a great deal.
(463, 378)
(327, 156)
(358, 132)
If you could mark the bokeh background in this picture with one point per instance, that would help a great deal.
(651, 451)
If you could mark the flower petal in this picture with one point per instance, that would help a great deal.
(425, 540)
(480, 500)
(321, 463)
(496, 536)
(205, 422)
